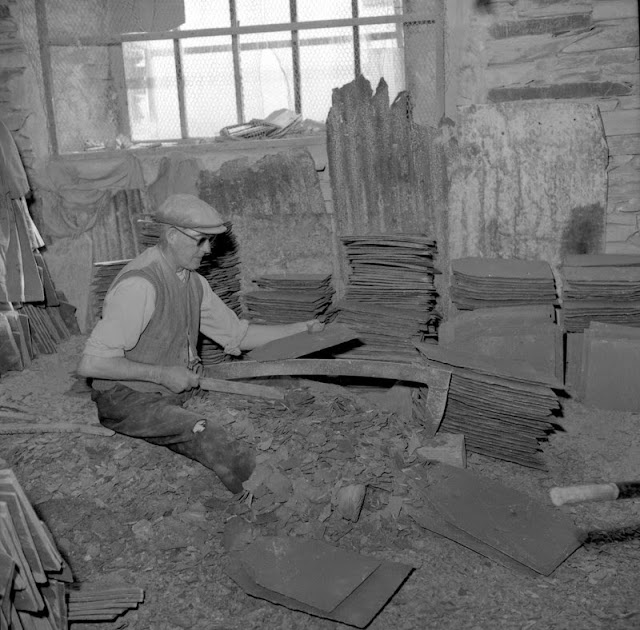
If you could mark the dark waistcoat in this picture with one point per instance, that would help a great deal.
(174, 324)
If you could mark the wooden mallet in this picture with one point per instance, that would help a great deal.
(595, 492)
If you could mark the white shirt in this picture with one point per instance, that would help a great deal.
(129, 305)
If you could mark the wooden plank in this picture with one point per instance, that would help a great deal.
(242, 30)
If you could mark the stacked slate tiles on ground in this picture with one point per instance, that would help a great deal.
(37, 590)
(600, 288)
(390, 297)
(288, 298)
(494, 282)
(503, 407)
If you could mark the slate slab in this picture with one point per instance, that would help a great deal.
(311, 572)
(510, 521)
(304, 343)
(358, 609)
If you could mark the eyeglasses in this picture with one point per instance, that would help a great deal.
(200, 240)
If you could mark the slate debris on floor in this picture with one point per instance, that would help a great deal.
(386, 269)
(602, 288)
(492, 282)
(288, 298)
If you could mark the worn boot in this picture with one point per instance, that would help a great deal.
(232, 461)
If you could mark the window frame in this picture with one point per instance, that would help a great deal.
(115, 41)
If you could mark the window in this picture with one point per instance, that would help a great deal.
(231, 61)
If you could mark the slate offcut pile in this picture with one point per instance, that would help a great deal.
(494, 282)
(288, 298)
(601, 288)
(390, 298)
(503, 407)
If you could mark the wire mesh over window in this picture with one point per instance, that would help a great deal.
(254, 57)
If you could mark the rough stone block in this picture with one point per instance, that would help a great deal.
(621, 122)
(624, 145)
(448, 448)
(614, 34)
(536, 26)
(614, 10)
(580, 89)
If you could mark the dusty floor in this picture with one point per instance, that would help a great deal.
(125, 511)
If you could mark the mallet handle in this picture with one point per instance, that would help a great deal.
(595, 492)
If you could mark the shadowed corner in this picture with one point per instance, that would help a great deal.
(606, 536)
(583, 233)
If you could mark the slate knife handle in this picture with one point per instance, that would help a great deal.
(595, 492)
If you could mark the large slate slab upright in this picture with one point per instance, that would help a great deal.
(278, 212)
(387, 172)
(530, 181)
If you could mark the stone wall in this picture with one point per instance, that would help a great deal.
(583, 51)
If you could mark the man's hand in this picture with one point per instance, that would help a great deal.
(178, 379)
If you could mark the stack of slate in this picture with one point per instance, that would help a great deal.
(91, 603)
(32, 571)
(221, 269)
(601, 288)
(493, 282)
(503, 407)
(288, 298)
(390, 297)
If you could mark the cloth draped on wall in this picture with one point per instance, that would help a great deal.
(20, 277)
(79, 192)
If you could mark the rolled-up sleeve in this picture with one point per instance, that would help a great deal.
(127, 309)
(219, 322)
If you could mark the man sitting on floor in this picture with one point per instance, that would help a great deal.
(142, 358)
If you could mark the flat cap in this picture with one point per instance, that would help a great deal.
(187, 211)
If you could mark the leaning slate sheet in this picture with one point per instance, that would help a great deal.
(510, 521)
(302, 344)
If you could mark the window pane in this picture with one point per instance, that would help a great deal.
(152, 90)
(209, 88)
(326, 62)
(369, 8)
(267, 74)
(206, 14)
(381, 56)
(323, 10)
(252, 12)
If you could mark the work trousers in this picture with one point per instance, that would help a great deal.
(161, 419)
